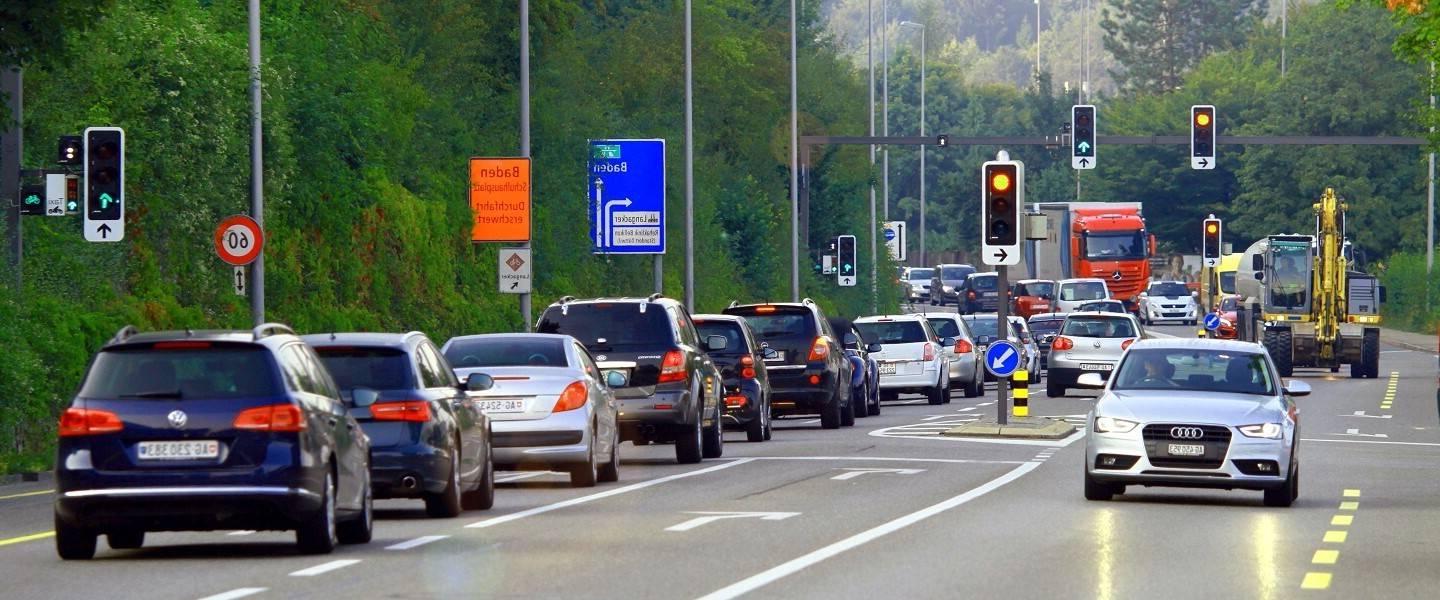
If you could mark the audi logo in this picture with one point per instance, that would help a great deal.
(1187, 433)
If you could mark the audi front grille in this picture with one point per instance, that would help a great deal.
(1158, 437)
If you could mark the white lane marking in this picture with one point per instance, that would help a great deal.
(916, 401)
(1394, 351)
(1361, 413)
(325, 567)
(852, 472)
(235, 593)
(902, 431)
(242, 532)
(968, 408)
(493, 521)
(519, 476)
(798, 564)
(933, 417)
(420, 541)
(1356, 432)
(1369, 442)
(1153, 333)
(712, 516)
(951, 461)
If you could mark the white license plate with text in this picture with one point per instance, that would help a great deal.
(178, 450)
(501, 406)
(1187, 450)
(889, 368)
(1097, 367)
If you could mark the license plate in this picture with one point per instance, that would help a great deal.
(1187, 450)
(186, 450)
(501, 406)
(889, 368)
(778, 357)
(1097, 367)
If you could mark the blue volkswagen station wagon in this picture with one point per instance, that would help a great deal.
(204, 430)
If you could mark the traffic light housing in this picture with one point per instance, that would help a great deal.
(1202, 136)
(104, 161)
(942, 140)
(846, 267)
(32, 200)
(70, 151)
(1082, 136)
(1002, 208)
(1210, 245)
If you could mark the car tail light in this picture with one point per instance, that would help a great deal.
(1126, 344)
(929, 351)
(819, 350)
(963, 347)
(672, 367)
(85, 421)
(735, 401)
(414, 411)
(276, 417)
(747, 367)
(572, 398)
(764, 309)
(1062, 343)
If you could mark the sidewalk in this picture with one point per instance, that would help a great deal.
(1419, 342)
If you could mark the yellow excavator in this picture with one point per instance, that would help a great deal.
(1318, 311)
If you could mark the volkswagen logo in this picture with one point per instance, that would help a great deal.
(177, 418)
(602, 358)
(1187, 433)
(1096, 344)
(1116, 275)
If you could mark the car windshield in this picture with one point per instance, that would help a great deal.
(506, 351)
(1125, 244)
(1098, 327)
(1082, 290)
(1169, 290)
(985, 283)
(945, 327)
(374, 368)
(921, 274)
(622, 325)
(1195, 370)
(893, 332)
(1290, 274)
(791, 324)
(730, 330)
(1043, 326)
(182, 370)
(1038, 288)
(955, 273)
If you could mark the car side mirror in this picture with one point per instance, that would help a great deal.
(363, 397)
(1297, 388)
(1090, 380)
(716, 342)
(949, 341)
(479, 382)
(1259, 276)
(616, 379)
(874, 347)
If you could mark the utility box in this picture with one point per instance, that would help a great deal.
(1363, 295)
(1037, 227)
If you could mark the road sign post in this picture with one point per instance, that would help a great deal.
(514, 270)
(104, 187)
(845, 265)
(627, 196)
(895, 239)
(1082, 137)
(239, 240)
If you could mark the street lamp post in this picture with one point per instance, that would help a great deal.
(874, 247)
(885, 103)
(794, 169)
(922, 134)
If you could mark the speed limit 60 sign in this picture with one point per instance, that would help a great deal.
(238, 240)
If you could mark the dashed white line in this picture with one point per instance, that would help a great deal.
(235, 593)
(323, 568)
(967, 409)
(955, 461)
(420, 541)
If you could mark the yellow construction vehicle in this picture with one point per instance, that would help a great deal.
(1317, 311)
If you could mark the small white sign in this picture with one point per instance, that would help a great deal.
(239, 280)
(895, 239)
(55, 195)
(827, 265)
(514, 270)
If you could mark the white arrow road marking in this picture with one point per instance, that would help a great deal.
(1356, 433)
(852, 473)
(1361, 413)
(711, 517)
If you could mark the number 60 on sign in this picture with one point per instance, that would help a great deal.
(238, 240)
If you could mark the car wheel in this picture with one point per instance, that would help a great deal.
(687, 446)
(360, 529)
(860, 401)
(73, 542)
(584, 475)
(874, 404)
(830, 413)
(935, 395)
(446, 504)
(847, 412)
(949, 389)
(976, 387)
(610, 471)
(125, 539)
(755, 429)
(1053, 389)
(483, 496)
(714, 443)
(1095, 490)
(769, 423)
(889, 395)
(1285, 495)
(316, 534)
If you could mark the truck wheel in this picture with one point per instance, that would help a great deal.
(1278, 344)
(1369, 353)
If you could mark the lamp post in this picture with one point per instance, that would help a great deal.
(870, 62)
(794, 169)
(922, 134)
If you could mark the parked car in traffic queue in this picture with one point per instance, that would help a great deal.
(1089, 343)
(857, 347)
(986, 332)
(945, 281)
(809, 372)
(909, 355)
(742, 367)
(917, 283)
(1044, 327)
(1030, 297)
(980, 292)
(1071, 293)
(1168, 301)
(963, 356)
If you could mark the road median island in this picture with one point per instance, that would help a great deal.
(1031, 428)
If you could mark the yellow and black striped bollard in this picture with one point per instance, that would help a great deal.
(1020, 390)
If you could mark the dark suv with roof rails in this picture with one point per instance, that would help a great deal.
(204, 430)
(809, 372)
(674, 389)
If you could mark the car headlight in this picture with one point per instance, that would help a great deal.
(1113, 425)
(1270, 431)
(949, 290)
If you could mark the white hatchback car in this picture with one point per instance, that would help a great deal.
(910, 356)
(1071, 293)
(1088, 342)
(1168, 301)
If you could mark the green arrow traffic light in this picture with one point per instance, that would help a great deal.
(105, 201)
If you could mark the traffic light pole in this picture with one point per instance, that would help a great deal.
(257, 166)
(1002, 332)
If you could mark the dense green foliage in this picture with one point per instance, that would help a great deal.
(1158, 41)
(371, 110)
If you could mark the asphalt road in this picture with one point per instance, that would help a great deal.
(887, 509)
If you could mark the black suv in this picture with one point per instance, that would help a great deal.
(742, 363)
(980, 293)
(204, 430)
(809, 372)
(674, 389)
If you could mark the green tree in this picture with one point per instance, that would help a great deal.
(1158, 41)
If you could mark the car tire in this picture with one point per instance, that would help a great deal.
(830, 412)
(73, 542)
(317, 533)
(935, 395)
(446, 504)
(755, 429)
(769, 420)
(847, 412)
(483, 496)
(860, 402)
(1094, 490)
(975, 387)
(1053, 389)
(610, 471)
(361, 528)
(874, 408)
(713, 446)
(687, 446)
(585, 475)
(125, 539)
(889, 395)
(1285, 496)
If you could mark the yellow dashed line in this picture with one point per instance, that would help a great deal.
(1335, 537)
(1349, 505)
(1325, 557)
(27, 494)
(1351, 493)
(1342, 519)
(27, 538)
(1316, 581)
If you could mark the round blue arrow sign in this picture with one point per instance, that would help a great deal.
(1002, 358)
(889, 234)
(1212, 322)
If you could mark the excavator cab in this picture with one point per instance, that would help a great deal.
(1288, 268)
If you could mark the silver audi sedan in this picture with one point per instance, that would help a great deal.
(1199, 413)
(551, 406)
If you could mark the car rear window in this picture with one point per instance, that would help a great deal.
(620, 324)
(506, 352)
(984, 284)
(1039, 288)
(368, 367)
(778, 323)
(730, 330)
(1082, 290)
(1039, 326)
(945, 327)
(921, 274)
(1169, 290)
(183, 370)
(1098, 327)
(1102, 307)
(953, 273)
(892, 332)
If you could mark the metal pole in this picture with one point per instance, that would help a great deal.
(257, 166)
(874, 246)
(794, 167)
(885, 103)
(1430, 197)
(12, 134)
(1002, 332)
(1037, 42)
(922, 148)
(659, 273)
(525, 131)
(689, 166)
(1284, 22)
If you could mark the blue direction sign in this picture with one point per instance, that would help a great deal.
(1212, 322)
(1002, 358)
(627, 196)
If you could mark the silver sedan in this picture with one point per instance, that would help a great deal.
(550, 404)
(1194, 413)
